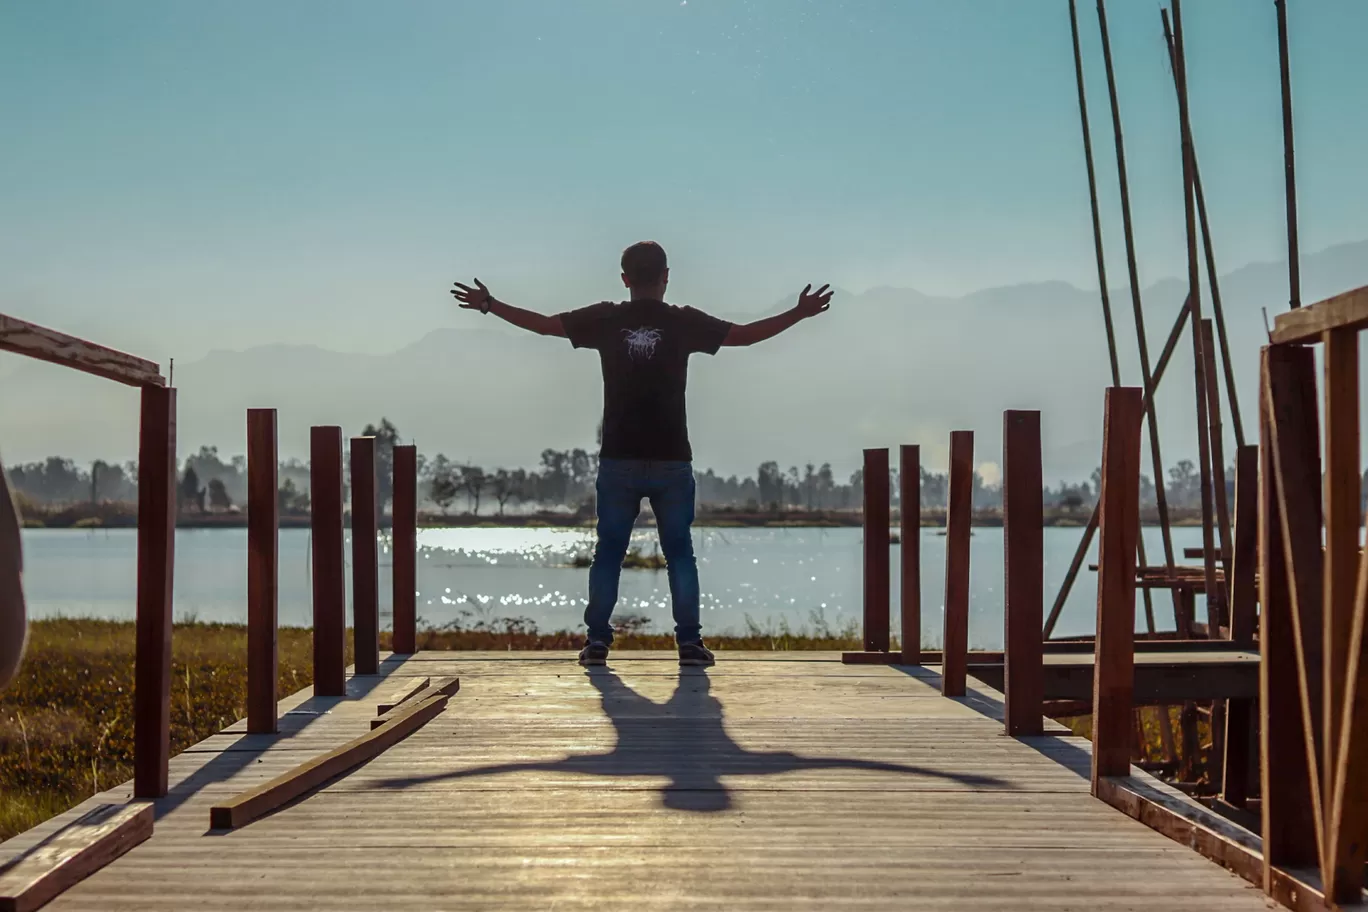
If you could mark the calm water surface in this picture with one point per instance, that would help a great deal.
(768, 578)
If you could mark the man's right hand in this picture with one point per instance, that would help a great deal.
(811, 303)
(472, 298)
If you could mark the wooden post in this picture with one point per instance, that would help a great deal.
(156, 563)
(405, 538)
(1114, 666)
(365, 558)
(1137, 306)
(959, 517)
(1023, 520)
(876, 568)
(263, 573)
(329, 562)
(1239, 736)
(909, 478)
(1289, 161)
(1290, 794)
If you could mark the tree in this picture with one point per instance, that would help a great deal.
(507, 485)
(218, 495)
(190, 492)
(1185, 484)
(290, 499)
(473, 481)
(771, 484)
(442, 482)
(386, 438)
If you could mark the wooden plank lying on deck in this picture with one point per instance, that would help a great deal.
(34, 341)
(1305, 324)
(445, 687)
(402, 694)
(285, 788)
(72, 854)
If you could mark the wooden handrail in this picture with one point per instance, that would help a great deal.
(34, 341)
(1347, 311)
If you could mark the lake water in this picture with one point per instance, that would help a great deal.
(800, 577)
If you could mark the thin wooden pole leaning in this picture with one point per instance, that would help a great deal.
(1081, 552)
(959, 516)
(1289, 161)
(1023, 537)
(156, 565)
(1213, 278)
(909, 562)
(1102, 285)
(404, 534)
(1114, 667)
(263, 569)
(1290, 797)
(876, 566)
(1160, 496)
(329, 562)
(365, 558)
(1195, 299)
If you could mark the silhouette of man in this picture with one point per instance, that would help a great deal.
(644, 346)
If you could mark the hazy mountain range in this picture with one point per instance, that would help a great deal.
(884, 367)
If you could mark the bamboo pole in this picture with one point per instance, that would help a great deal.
(1289, 161)
(1213, 279)
(1195, 302)
(1086, 541)
(1101, 259)
(1136, 303)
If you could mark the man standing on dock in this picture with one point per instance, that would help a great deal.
(644, 346)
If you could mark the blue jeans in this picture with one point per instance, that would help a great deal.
(622, 483)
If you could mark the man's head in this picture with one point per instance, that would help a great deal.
(645, 270)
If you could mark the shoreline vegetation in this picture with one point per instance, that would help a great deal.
(122, 515)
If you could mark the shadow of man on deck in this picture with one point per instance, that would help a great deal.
(685, 741)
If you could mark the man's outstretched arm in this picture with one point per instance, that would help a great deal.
(810, 304)
(479, 298)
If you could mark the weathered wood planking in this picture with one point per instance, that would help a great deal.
(770, 781)
(309, 775)
(82, 847)
(34, 341)
(443, 687)
(1347, 311)
(406, 691)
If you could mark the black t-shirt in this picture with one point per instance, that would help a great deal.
(644, 349)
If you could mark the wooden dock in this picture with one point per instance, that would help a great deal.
(772, 781)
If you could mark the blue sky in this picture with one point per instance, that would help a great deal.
(179, 176)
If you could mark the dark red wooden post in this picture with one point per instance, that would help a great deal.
(959, 516)
(156, 563)
(365, 566)
(405, 535)
(909, 496)
(1240, 728)
(876, 566)
(329, 562)
(263, 569)
(1023, 520)
(1119, 529)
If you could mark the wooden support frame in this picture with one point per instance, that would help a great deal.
(1113, 670)
(1023, 517)
(43, 344)
(329, 562)
(1309, 324)
(365, 558)
(156, 566)
(72, 854)
(876, 550)
(404, 532)
(263, 570)
(285, 788)
(909, 560)
(958, 528)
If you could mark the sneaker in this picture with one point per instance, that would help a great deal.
(594, 653)
(695, 654)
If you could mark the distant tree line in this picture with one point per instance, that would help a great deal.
(561, 479)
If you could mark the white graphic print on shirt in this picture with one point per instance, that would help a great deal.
(641, 343)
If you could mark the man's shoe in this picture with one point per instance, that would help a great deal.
(594, 653)
(695, 654)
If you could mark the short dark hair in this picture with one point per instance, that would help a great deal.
(644, 264)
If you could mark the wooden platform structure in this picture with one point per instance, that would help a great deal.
(774, 780)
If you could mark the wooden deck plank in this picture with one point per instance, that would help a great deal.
(768, 781)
